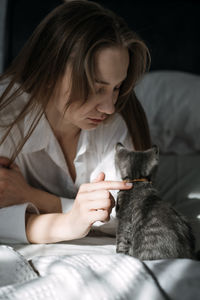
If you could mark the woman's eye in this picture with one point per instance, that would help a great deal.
(117, 88)
(100, 91)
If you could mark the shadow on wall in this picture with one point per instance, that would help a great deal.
(170, 28)
(18, 20)
(3, 11)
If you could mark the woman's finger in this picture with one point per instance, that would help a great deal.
(99, 178)
(4, 161)
(99, 215)
(104, 204)
(94, 195)
(4, 173)
(105, 185)
(15, 167)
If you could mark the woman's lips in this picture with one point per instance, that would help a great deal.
(96, 120)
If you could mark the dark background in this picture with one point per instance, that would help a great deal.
(171, 29)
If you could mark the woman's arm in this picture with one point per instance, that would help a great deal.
(93, 203)
(45, 202)
(48, 228)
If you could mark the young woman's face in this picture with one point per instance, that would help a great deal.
(111, 65)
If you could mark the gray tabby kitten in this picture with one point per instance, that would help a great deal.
(148, 228)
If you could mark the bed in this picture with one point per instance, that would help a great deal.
(90, 268)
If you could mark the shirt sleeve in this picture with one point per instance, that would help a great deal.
(66, 204)
(12, 223)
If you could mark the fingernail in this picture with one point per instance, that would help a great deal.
(128, 184)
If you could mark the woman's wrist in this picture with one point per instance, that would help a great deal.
(49, 228)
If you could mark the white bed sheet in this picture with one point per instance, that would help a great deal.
(91, 269)
(90, 244)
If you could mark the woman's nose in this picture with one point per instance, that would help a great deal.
(107, 106)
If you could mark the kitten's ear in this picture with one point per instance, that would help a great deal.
(119, 146)
(155, 149)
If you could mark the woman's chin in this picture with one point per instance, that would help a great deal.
(89, 127)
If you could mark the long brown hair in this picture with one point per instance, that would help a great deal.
(73, 32)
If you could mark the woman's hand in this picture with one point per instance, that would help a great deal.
(13, 187)
(93, 203)
(15, 190)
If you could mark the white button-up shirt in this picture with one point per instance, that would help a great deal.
(43, 165)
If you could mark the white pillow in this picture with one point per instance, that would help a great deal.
(178, 181)
(171, 101)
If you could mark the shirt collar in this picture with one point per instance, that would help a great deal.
(43, 138)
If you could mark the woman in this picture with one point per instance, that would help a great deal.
(66, 100)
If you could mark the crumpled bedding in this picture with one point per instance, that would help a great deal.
(84, 276)
(93, 275)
